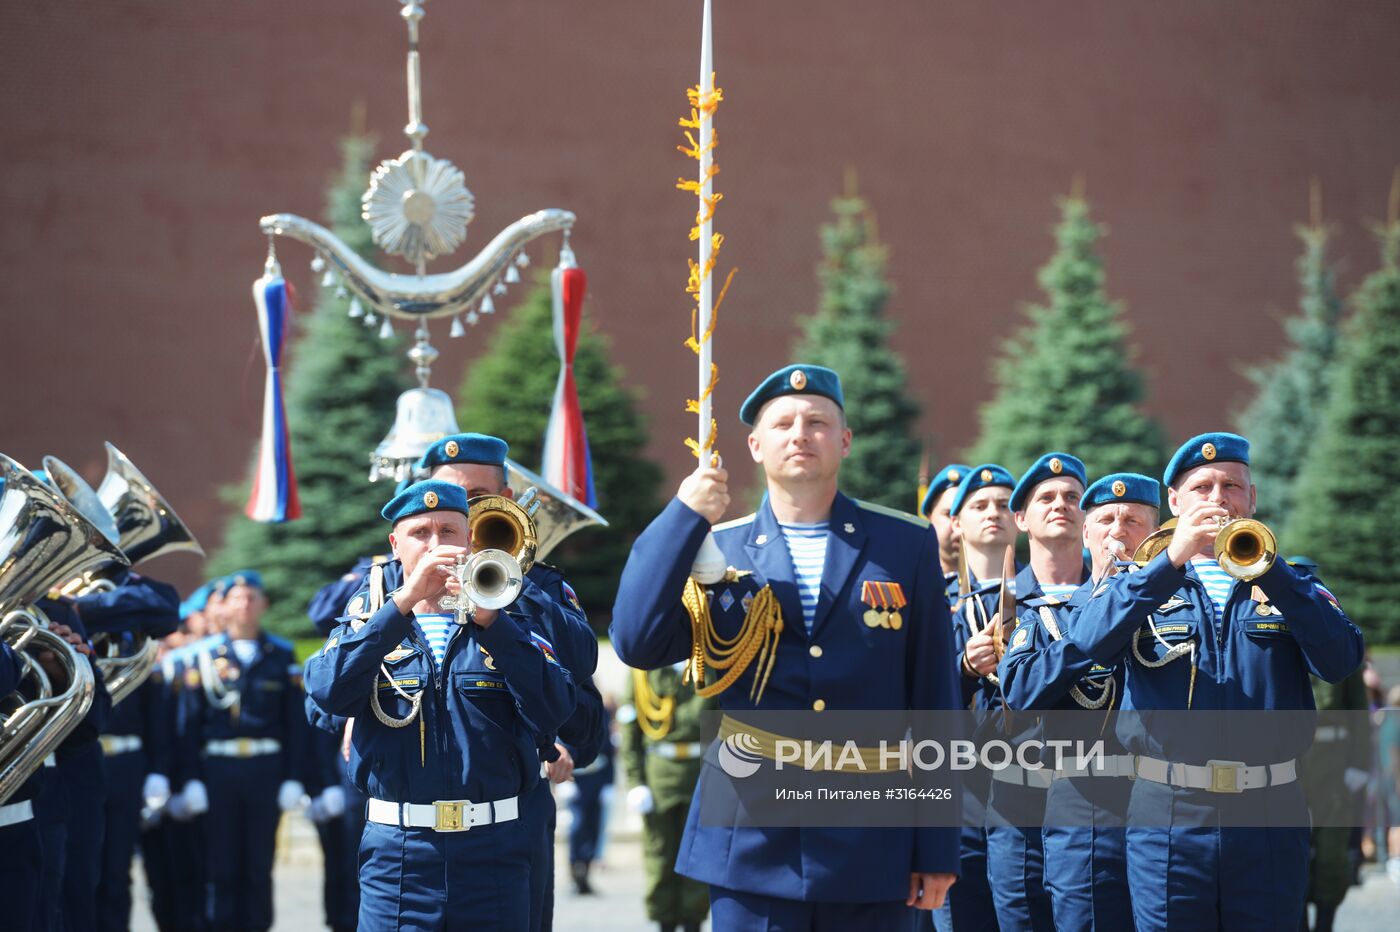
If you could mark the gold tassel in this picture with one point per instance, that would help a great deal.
(655, 714)
(757, 639)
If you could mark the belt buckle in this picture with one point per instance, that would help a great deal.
(682, 752)
(448, 816)
(1225, 776)
(244, 747)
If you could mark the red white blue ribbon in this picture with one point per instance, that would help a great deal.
(567, 463)
(274, 497)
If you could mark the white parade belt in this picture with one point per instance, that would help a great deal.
(1115, 765)
(119, 744)
(1217, 776)
(15, 813)
(451, 815)
(1330, 733)
(242, 747)
(1020, 776)
(677, 750)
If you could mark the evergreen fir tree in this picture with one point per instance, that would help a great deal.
(1283, 419)
(1348, 517)
(342, 384)
(850, 334)
(508, 391)
(1065, 379)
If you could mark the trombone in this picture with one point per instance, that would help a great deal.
(1244, 548)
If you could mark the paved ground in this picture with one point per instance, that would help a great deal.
(617, 907)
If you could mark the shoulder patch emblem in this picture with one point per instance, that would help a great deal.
(356, 606)
(1021, 637)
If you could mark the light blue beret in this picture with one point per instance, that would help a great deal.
(948, 477)
(980, 477)
(798, 379)
(425, 496)
(1206, 448)
(1049, 466)
(1123, 487)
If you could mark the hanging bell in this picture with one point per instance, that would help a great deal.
(499, 289)
(386, 330)
(318, 264)
(328, 279)
(487, 305)
(342, 291)
(356, 308)
(370, 319)
(472, 318)
(457, 329)
(522, 260)
(512, 274)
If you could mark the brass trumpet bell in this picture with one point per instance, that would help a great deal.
(559, 514)
(500, 523)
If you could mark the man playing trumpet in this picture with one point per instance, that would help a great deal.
(1192, 637)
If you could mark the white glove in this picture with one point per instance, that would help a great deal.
(156, 791)
(640, 800)
(1355, 778)
(564, 793)
(315, 811)
(290, 794)
(195, 798)
(332, 801)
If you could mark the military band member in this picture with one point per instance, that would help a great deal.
(1084, 847)
(477, 463)
(662, 755)
(1045, 503)
(984, 532)
(937, 506)
(827, 561)
(448, 721)
(1192, 637)
(243, 743)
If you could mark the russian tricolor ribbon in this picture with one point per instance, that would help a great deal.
(567, 463)
(274, 496)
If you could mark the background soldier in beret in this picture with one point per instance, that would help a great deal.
(937, 506)
(662, 755)
(243, 749)
(1085, 863)
(823, 558)
(1193, 637)
(448, 721)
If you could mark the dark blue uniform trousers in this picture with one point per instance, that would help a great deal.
(1016, 859)
(1086, 868)
(736, 911)
(1197, 875)
(126, 776)
(20, 889)
(420, 879)
(240, 834)
(586, 830)
(340, 842)
(538, 813)
(81, 772)
(968, 906)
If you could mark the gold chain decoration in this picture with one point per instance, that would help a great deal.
(656, 715)
(702, 110)
(758, 638)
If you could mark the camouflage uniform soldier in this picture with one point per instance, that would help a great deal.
(662, 755)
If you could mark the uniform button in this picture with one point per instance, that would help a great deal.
(819, 704)
(815, 650)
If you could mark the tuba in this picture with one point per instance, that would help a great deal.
(558, 515)
(1244, 548)
(44, 541)
(127, 507)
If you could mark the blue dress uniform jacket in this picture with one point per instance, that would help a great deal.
(1085, 860)
(1255, 654)
(137, 604)
(841, 664)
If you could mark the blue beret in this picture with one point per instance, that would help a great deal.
(197, 602)
(429, 495)
(947, 477)
(250, 578)
(1120, 487)
(1049, 466)
(1206, 448)
(799, 379)
(980, 477)
(465, 448)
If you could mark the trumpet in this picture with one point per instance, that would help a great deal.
(490, 579)
(1244, 548)
(503, 524)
